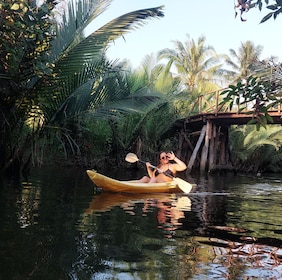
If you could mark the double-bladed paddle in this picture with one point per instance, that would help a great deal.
(183, 185)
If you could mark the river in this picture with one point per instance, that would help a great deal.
(56, 225)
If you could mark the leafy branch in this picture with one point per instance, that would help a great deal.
(260, 94)
(276, 9)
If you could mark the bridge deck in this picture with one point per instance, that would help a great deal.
(196, 122)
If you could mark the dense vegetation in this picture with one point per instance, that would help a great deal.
(63, 101)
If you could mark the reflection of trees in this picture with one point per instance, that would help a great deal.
(37, 226)
(24, 244)
(240, 253)
(236, 252)
(136, 234)
(132, 239)
(29, 205)
(128, 238)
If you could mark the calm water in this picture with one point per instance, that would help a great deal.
(56, 226)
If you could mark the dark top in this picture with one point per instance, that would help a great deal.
(168, 173)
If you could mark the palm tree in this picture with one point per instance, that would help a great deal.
(141, 131)
(197, 64)
(253, 81)
(155, 76)
(246, 60)
(78, 81)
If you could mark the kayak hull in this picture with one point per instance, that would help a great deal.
(113, 185)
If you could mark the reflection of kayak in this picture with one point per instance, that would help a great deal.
(112, 185)
(106, 200)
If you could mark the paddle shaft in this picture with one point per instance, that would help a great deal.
(160, 171)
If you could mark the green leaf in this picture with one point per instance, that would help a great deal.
(272, 7)
(267, 17)
(269, 118)
(252, 121)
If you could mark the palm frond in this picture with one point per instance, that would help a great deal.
(84, 62)
(84, 51)
(75, 19)
(138, 102)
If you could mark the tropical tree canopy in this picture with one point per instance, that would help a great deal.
(245, 60)
(253, 151)
(197, 65)
(54, 73)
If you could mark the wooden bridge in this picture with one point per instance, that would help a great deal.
(204, 136)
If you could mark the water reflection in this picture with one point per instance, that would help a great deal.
(197, 235)
(168, 208)
(131, 236)
(56, 227)
(28, 203)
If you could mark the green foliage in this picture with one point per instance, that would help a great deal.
(86, 80)
(140, 130)
(156, 76)
(26, 35)
(253, 91)
(275, 7)
(144, 111)
(198, 66)
(96, 143)
(51, 105)
(244, 61)
(255, 151)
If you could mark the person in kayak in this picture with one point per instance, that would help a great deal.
(169, 164)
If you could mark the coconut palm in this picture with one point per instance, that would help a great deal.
(197, 64)
(80, 75)
(253, 81)
(155, 75)
(199, 70)
(142, 131)
(244, 62)
(93, 83)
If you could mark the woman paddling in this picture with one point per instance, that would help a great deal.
(166, 169)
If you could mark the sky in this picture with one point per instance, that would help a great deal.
(214, 19)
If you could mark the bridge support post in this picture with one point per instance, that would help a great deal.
(224, 142)
(213, 146)
(205, 149)
(196, 149)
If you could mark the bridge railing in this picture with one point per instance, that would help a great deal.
(209, 103)
(212, 103)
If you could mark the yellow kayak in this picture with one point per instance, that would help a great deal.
(112, 185)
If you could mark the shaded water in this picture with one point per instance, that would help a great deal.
(55, 226)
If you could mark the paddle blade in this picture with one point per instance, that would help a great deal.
(183, 185)
(130, 157)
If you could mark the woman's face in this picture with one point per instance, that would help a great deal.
(163, 157)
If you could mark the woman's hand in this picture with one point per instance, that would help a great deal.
(170, 156)
(148, 164)
(179, 165)
(150, 172)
